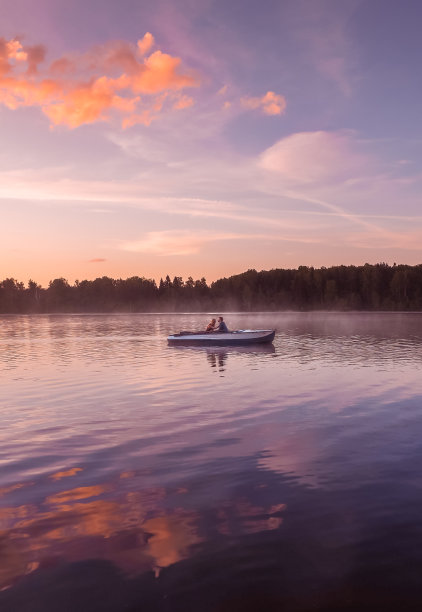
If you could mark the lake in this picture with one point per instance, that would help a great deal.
(140, 476)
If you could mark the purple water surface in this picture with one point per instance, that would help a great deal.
(137, 475)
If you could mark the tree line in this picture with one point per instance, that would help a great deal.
(368, 287)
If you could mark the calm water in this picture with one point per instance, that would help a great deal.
(137, 476)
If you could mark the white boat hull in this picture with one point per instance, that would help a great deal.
(242, 336)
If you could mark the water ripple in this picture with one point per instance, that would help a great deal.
(116, 447)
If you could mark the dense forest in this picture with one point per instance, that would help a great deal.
(368, 287)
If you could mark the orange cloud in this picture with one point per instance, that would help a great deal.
(183, 102)
(144, 118)
(107, 80)
(145, 43)
(270, 104)
(89, 103)
(62, 66)
(15, 51)
(160, 72)
(15, 92)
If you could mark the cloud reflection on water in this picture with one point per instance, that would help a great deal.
(135, 530)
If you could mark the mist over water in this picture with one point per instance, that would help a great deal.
(137, 475)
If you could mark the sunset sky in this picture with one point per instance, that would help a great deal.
(203, 138)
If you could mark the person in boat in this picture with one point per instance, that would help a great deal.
(211, 326)
(221, 327)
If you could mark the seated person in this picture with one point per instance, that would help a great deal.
(221, 327)
(211, 326)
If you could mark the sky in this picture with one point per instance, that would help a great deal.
(204, 138)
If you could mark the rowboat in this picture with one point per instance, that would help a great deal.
(240, 336)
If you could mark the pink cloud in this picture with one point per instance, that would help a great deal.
(109, 79)
(144, 118)
(14, 50)
(170, 243)
(183, 102)
(146, 43)
(182, 242)
(97, 260)
(62, 67)
(270, 103)
(315, 157)
(35, 56)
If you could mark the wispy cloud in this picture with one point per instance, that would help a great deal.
(51, 190)
(295, 198)
(168, 242)
(97, 260)
(173, 242)
(335, 172)
(330, 48)
(409, 240)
